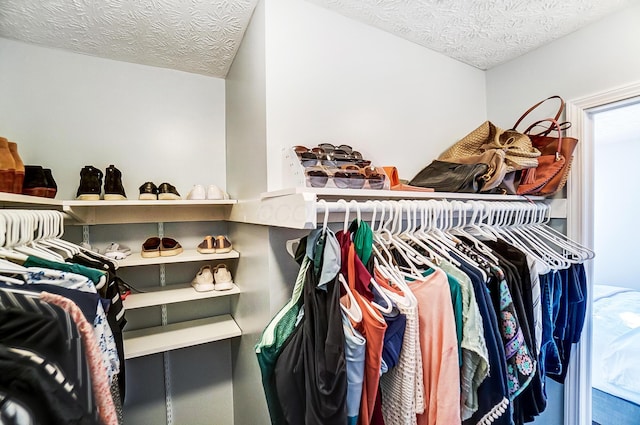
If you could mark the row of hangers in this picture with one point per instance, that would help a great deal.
(36, 233)
(424, 232)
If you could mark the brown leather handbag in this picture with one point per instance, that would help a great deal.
(550, 176)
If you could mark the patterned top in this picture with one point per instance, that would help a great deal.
(102, 330)
(99, 380)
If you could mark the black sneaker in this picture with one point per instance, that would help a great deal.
(90, 184)
(35, 182)
(168, 192)
(113, 190)
(148, 192)
(52, 187)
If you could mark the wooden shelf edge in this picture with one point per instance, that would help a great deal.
(173, 294)
(189, 255)
(144, 342)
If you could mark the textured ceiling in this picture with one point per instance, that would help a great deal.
(481, 33)
(199, 36)
(202, 36)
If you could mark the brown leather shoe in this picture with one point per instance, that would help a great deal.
(222, 245)
(7, 167)
(151, 248)
(19, 166)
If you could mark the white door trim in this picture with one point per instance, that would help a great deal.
(577, 389)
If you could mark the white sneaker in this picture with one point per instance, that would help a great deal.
(203, 281)
(222, 277)
(197, 192)
(214, 192)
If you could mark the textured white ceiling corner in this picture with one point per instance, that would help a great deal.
(480, 33)
(203, 36)
(198, 36)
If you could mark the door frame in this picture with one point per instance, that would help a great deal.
(577, 388)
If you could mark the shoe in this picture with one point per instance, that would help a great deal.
(52, 187)
(203, 281)
(35, 181)
(90, 184)
(117, 251)
(197, 193)
(113, 189)
(7, 167)
(148, 192)
(214, 192)
(222, 245)
(207, 246)
(168, 192)
(169, 247)
(222, 278)
(19, 165)
(151, 248)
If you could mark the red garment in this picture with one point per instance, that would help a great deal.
(362, 280)
(372, 327)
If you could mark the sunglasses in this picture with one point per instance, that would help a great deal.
(341, 152)
(309, 157)
(375, 178)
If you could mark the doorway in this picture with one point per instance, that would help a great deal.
(580, 227)
(616, 290)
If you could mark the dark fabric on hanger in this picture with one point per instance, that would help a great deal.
(493, 395)
(18, 371)
(68, 353)
(310, 372)
(86, 301)
(573, 305)
(115, 313)
(532, 401)
(22, 400)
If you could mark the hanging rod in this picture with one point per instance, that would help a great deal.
(303, 210)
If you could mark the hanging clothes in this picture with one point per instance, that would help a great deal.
(310, 372)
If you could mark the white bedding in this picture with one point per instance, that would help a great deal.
(616, 342)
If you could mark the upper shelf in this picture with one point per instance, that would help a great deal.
(134, 211)
(297, 208)
(293, 208)
(128, 211)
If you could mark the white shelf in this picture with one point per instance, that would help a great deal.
(298, 208)
(172, 294)
(189, 255)
(144, 342)
(333, 194)
(24, 201)
(136, 211)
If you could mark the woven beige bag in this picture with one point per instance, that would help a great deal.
(519, 152)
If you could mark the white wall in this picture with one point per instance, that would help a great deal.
(615, 211)
(332, 79)
(594, 59)
(68, 110)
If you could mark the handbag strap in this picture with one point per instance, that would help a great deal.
(557, 126)
(556, 118)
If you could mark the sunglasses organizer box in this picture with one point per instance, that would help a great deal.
(331, 174)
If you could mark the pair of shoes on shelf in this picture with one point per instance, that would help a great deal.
(198, 192)
(11, 167)
(216, 279)
(165, 192)
(39, 181)
(160, 247)
(214, 245)
(91, 184)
